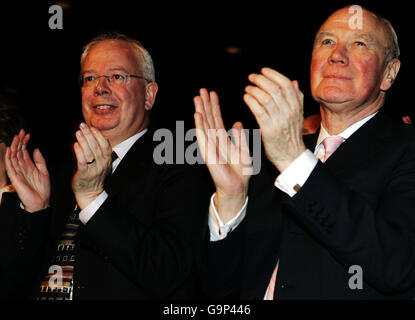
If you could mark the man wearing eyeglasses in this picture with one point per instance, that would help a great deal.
(130, 235)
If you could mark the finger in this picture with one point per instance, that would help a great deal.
(14, 145)
(285, 84)
(220, 140)
(270, 87)
(207, 146)
(11, 172)
(24, 165)
(87, 153)
(15, 161)
(216, 112)
(300, 94)
(197, 100)
(295, 84)
(25, 162)
(272, 102)
(257, 110)
(202, 125)
(103, 143)
(40, 162)
(264, 100)
(25, 141)
(236, 134)
(263, 97)
(207, 107)
(200, 134)
(80, 156)
(91, 141)
(20, 136)
(241, 143)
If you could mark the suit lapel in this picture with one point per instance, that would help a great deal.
(132, 167)
(361, 147)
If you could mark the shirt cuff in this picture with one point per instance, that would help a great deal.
(294, 177)
(220, 232)
(89, 211)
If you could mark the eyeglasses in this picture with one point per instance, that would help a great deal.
(116, 79)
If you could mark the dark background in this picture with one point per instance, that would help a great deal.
(191, 44)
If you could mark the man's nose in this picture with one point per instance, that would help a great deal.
(339, 55)
(102, 87)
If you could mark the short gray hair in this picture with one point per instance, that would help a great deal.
(392, 50)
(143, 54)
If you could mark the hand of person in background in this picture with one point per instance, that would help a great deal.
(30, 178)
(229, 162)
(93, 155)
(277, 104)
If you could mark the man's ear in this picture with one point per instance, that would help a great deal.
(151, 92)
(391, 71)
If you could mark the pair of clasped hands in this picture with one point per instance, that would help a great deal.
(275, 101)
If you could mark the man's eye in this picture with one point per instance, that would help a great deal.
(360, 44)
(89, 78)
(117, 77)
(327, 41)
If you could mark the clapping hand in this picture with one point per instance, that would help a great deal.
(229, 163)
(277, 104)
(93, 155)
(29, 178)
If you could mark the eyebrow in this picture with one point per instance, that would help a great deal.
(365, 36)
(323, 34)
(112, 69)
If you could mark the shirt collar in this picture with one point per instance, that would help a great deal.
(122, 148)
(346, 133)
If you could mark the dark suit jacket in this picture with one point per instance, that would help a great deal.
(355, 209)
(15, 226)
(139, 244)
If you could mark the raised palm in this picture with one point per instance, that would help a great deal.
(229, 162)
(29, 178)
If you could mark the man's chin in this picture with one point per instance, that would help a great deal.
(330, 100)
(333, 94)
(103, 125)
(333, 98)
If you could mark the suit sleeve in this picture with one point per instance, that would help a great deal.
(22, 246)
(376, 232)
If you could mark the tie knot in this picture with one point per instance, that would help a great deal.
(114, 156)
(331, 144)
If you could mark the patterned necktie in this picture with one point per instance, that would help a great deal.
(58, 283)
(331, 144)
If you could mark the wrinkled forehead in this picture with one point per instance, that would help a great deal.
(355, 19)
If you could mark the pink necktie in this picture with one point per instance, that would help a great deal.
(331, 144)
(271, 285)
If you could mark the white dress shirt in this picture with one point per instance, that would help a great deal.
(121, 150)
(297, 173)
